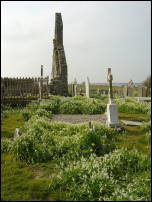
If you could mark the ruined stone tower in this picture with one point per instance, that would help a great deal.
(59, 81)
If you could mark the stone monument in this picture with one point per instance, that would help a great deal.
(59, 81)
(41, 84)
(112, 111)
(87, 87)
(75, 87)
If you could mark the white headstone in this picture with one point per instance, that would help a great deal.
(87, 87)
(17, 133)
(112, 110)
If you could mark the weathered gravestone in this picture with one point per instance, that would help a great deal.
(87, 83)
(41, 84)
(74, 88)
(17, 132)
(112, 111)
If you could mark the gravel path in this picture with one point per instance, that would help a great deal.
(78, 118)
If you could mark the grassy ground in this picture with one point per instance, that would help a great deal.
(31, 182)
(134, 137)
(18, 180)
(11, 121)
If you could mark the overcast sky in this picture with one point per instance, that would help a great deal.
(96, 35)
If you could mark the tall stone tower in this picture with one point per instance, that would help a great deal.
(59, 81)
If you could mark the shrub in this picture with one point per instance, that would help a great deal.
(43, 140)
(131, 106)
(43, 112)
(5, 145)
(146, 127)
(33, 106)
(51, 105)
(26, 115)
(93, 106)
(106, 178)
(82, 105)
(71, 106)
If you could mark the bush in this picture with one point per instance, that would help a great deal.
(71, 106)
(43, 112)
(5, 145)
(33, 106)
(107, 178)
(146, 127)
(26, 115)
(82, 105)
(93, 106)
(131, 106)
(51, 105)
(43, 140)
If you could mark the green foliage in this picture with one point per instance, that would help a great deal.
(51, 105)
(131, 106)
(146, 139)
(5, 145)
(100, 140)
(33, 106)
(5, 107)
(42, 141)
(82, 105)
(43, 112)
(146, 127)
(107, 178)
(71, 106)
(20, 182)
(90, 168)
(14, 119)
(39, 189)
(26, 115)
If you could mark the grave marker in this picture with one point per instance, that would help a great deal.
(112, 111)
(87, 87)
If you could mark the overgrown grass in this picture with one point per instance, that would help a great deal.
(13, 119)
(73, 162)
(117, 176)
(131, 106)
(70, 105)
(20, 182)
(42, 141)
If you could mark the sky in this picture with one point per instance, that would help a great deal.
(96, 35)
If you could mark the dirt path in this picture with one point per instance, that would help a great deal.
(79, 118)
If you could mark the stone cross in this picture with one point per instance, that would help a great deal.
(87, 87)
(109, 79)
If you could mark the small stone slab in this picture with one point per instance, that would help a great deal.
(131, 123)
(143, 99)
(79, 118)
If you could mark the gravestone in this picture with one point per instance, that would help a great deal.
(98, 91)
(17, 133)
(87, 87)
(72, 89)
(125, 90)
(41, 83)
(112, 110)
(75, 87)
(130, 91)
